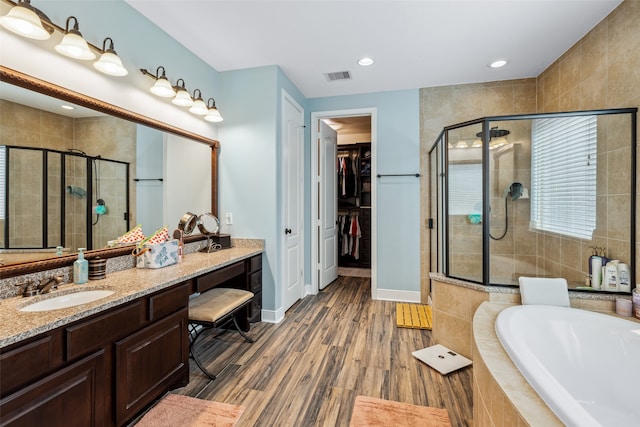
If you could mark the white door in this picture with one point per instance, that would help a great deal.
(293, 181)
(327, 226)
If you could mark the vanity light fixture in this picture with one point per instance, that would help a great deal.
(26, 20)
(73, 44)
(182, 97)
(199, 107)
(67, 107)
(109, 63)
(213, 115)
(161, 87)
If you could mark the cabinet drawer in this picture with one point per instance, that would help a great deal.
(255, 263)
(255, 282)
(154, 359)
(169, 301)
(21, 365)
(208, 281)
(102, 329)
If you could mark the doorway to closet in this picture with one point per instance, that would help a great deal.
(353, 201)
(344, 195)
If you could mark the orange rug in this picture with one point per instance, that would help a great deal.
(372, 412)
(175, 410)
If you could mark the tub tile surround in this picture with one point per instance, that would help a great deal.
(128, 282)
(455, 303)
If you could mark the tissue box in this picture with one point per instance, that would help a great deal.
(157, 255)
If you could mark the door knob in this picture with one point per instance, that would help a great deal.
(287, 231)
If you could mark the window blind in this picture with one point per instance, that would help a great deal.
(563, 175)
(465, 188)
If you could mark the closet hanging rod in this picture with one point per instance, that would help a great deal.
(380, 175)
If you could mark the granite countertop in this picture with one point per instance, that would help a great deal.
(128, 285)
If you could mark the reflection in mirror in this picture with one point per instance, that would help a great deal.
(66, 176)
(121, 135)
(558, 186)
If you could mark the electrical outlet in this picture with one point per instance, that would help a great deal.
(229, 218)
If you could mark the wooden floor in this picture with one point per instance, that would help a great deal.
(331, 347)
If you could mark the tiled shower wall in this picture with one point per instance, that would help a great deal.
(601, 71)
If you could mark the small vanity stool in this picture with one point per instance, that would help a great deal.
(215, 309)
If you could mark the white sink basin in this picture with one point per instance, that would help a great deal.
(68, 300)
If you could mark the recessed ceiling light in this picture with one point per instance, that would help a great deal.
(498, 63)
(366, 61)
(67, 107)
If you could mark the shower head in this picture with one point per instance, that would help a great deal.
(77, 151)
(495, 133)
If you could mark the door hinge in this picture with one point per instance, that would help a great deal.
(430, 223)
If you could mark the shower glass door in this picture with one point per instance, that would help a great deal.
(463, 198)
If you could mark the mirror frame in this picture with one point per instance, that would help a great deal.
(26, 81)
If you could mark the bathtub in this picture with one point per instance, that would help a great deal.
(584, 365)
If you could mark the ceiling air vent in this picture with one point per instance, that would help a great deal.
(340, 75)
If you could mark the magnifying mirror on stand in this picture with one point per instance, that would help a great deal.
(209, 225)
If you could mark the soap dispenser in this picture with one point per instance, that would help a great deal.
(80, 269)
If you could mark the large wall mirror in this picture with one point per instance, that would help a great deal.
(75, 172)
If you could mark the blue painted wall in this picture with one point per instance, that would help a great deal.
(398, 199)
(250, 101)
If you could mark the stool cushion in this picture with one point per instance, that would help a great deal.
(214, 304)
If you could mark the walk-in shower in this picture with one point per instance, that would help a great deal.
(530, 195)
(51, 198)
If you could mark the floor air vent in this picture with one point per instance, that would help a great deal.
(340, 75)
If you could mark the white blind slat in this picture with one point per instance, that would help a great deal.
(465, 188)
(563, 175)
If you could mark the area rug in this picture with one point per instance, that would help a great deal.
(175, 410)
(416, 316)
(373, 412)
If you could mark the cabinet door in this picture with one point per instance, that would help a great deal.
(73, 396)
(149, 362)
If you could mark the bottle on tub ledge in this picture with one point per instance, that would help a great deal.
(595, 269)
(624, 281)
(610, 276)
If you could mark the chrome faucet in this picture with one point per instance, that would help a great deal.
(48, 284)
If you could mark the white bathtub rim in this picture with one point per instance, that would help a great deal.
(571, 412)
(556, 397)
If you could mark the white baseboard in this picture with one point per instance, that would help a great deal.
(272, 316)
(307, 290)
(399, 296)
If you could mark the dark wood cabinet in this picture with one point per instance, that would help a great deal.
(101, 370)
(105, 369)
(73, 396)
(254, 284)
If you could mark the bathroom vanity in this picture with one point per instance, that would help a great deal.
(102, 363)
